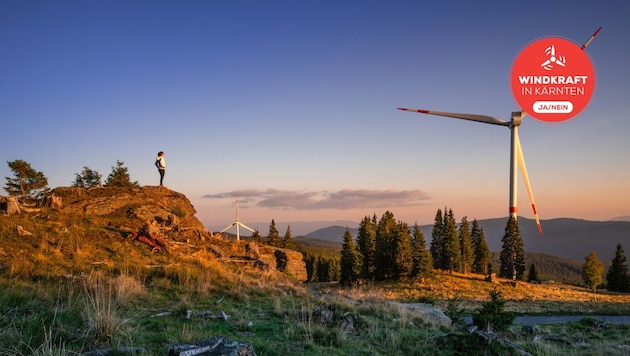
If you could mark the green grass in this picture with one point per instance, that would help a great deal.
(80, 283)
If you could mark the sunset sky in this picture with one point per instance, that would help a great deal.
(291, 105)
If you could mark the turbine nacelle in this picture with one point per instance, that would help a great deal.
(516, 156)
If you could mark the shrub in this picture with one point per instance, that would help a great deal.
(492, 314)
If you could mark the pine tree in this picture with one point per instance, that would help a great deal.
(350, 261)
(403, 260)
(592, 272)
(422, 260)
(436, 240)
(28, 183)
(385, 235)
(480, 248)
(617, 278)
(287, 241)
(451, 252)
(273, 237)
(119, 177)
(366, 243)
(88, 178)
(512, 256)
(465, 245)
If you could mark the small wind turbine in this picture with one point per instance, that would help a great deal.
(516, 153)
(238, 225)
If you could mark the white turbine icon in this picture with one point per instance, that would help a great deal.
(238, 224)
(516, 153)
(559, 60)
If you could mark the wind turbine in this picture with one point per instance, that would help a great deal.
(238, 225)
(516, 153)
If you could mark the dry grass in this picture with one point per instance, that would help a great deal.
(471, 290)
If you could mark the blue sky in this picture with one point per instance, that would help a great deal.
(292, 104)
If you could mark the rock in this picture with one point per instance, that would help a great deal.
(427, 312)
(214, 346)
(285, 260)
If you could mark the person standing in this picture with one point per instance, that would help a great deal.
(160, 163)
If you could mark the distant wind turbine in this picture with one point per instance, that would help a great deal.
(516, 153)
(238, 225)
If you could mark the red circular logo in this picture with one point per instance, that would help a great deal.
(552, 79)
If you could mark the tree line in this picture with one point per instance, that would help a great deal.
(29, 183)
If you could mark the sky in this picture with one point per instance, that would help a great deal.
(291, 105)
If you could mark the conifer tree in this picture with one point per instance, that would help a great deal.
(480, 248)
(287, 241)
(366, 243)
(437, 240)
(402, 256)
(273, 237)
(422, 260)
(385, 234)
(592, 271)
(27, 182)
(88, 178)
(451, 252)
(465, 245)
(533, 274)
(119, 177)
(256, 236)
(512, 255)
(350, 261)
(617, 278)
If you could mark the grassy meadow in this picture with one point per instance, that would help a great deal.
(79, 284)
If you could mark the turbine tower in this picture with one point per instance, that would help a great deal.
(238, 225)
(516, 153)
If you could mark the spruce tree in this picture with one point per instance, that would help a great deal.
(512, 256)
(422, 260)
(592, 272)
(350, 261)
(402, 254)
(119, 177)
(617, 278)
(437, 240)
(451, 252)
(385, 235)
(366, 243)
(533, 274)
(465, 245)
(480, 248)
(273, 237)
(287, 241)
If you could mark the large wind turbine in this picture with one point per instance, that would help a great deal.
(516, 153)
(238, 225)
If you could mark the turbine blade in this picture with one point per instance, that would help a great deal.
(521, 163)
(471, 117)
(227, 228)
(246, 227)
(591, 38)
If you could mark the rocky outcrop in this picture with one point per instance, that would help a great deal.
(284, 260)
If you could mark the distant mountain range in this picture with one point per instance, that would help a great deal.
(566, 238)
